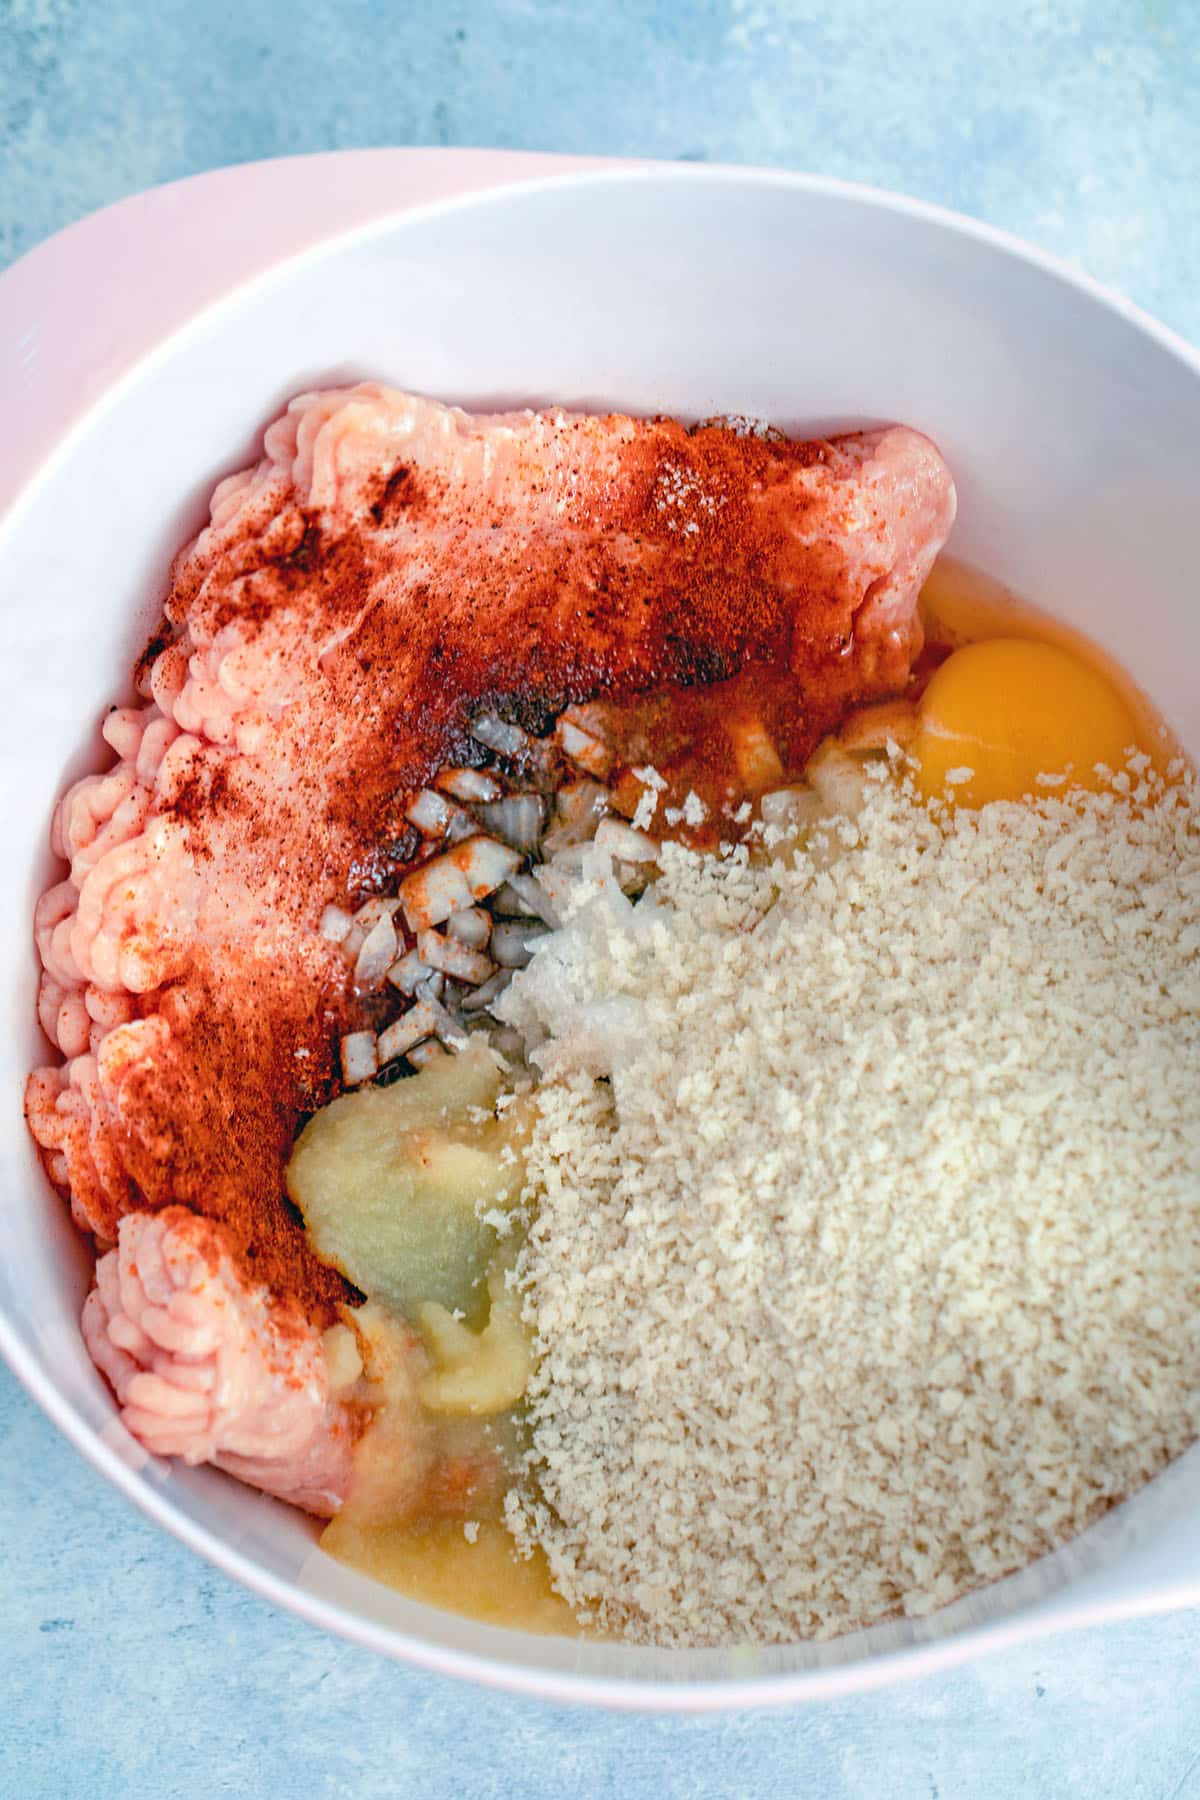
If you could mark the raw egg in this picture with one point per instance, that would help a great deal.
(1001, 713)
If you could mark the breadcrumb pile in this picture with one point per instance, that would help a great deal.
(866, 1258)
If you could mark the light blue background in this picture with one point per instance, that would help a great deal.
(126, 1667)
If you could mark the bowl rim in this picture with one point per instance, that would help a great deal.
(473, 182)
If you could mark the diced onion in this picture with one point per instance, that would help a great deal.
(486, 865)
(431, 986)
(407, 972)
(616, 839)
(511, 939)
(430, 812)
(499, 735)
(472, 926)
(334, 924)
(404, 1032)
(453, 882)
(529, 889)
(377, 954)
(453, 957)
(426, 1019)
(562, 875)
(353, 942)
(578, 809)
(509, 904)
(469, 784)
(360, 1057)
(518, 819)
(447, 1028)
(482, 997)
(583, 749)
(377, 907)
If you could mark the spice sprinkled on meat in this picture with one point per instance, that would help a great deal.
(390, 573)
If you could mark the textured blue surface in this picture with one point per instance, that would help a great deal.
(126, 1667)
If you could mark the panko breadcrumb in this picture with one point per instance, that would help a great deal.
(865, 1265)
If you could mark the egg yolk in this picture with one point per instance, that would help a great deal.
(998, 714)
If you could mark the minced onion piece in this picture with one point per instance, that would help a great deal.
(563, 873)
(430, 812)
(377, 954)
(509, 905)
(614, 838)
(407, 972)
(426, 1019)
(534, 898)
(456, 880)
(360, 1057)
(578, 808)
(431, 986)
(353, 942)
(452, 957)
(472, 926)
(469, 784)
(334, 924)
(498, 735)
(582, 748)
(518, 819)
(377, 907)
(511, 939)
(481, 997)
(449, 1028)
(400, 1036)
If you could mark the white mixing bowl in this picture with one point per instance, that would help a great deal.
(142, 353)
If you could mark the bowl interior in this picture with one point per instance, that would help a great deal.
(1074, 435)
